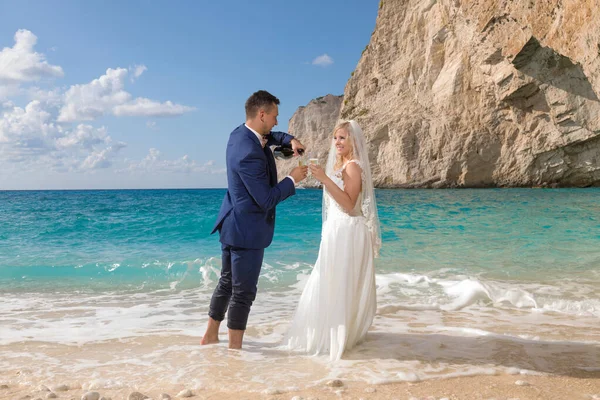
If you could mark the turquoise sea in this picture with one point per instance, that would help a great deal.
(472, 268)
(98, 239)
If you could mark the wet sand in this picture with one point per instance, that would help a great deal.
(478, 387)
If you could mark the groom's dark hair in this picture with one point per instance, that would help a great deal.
(258, 100)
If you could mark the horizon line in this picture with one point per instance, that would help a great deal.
(157, 188)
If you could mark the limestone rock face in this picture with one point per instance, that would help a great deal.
(313, 125)
(474, 93)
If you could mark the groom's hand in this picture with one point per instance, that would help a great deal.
(297, 147)
(299, 173)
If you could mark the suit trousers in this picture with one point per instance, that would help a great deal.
(237, 285)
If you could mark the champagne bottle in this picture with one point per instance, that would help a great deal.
(285, 152)
(282, 152)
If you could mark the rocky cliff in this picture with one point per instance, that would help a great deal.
(477, 93)
(313, 124)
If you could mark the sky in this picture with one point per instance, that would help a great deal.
(143, 94)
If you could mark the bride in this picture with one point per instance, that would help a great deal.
(338, 304)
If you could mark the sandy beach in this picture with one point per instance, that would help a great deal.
(154, 365)
(120, 344)
(585, 386)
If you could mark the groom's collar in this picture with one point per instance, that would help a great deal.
(261, 138)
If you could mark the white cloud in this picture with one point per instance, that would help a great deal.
(152, 125)
(106, 95)
(142, 107)
(84, 102)
(52, 97)
(323, 61)
(40, 136)
(31, 139)
(21, 126)
(154, 163)
(138, 70)
(101, 158)
(21, 63)
(85, 136)
(9, 90)
(89, 101)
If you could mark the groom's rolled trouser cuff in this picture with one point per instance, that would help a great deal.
(239, 309)
(237, 286)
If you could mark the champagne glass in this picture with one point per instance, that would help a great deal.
(312, 160)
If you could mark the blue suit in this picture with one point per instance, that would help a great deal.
(246, 221)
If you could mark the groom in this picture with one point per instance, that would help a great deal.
(247, 217)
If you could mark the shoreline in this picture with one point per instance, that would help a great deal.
(34, 369)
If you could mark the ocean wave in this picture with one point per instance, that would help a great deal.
(422, 292)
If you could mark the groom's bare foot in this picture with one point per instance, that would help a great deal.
(211, 335)
(209, 340)
(235, 339)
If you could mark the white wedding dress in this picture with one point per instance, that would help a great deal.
(338, 303)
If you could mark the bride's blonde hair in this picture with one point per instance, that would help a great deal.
(346, 127)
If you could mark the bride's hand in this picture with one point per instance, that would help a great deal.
(317, 172)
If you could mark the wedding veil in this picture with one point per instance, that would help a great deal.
(369, 205)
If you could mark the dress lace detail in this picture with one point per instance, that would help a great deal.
(338, 178)
(363, 205)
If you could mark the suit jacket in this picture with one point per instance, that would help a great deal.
(247, 215)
